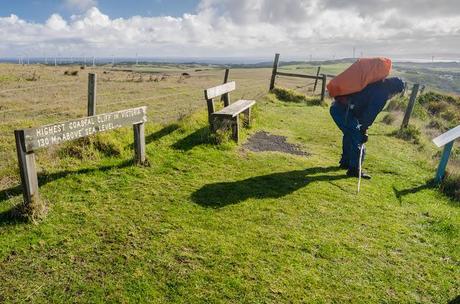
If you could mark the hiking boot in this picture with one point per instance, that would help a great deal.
(355, 173)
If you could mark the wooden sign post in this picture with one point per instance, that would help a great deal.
(447, 140)
(92, 94)
(29, 140)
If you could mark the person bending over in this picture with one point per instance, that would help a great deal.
(355, 113)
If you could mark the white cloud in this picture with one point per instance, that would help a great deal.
(55, 22)
(241, 28)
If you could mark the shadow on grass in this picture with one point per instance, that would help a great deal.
(274, 185)
(165, 131)
(199, 137)
(455, 300)
(401, 193)
(12, 216)
(161, 133)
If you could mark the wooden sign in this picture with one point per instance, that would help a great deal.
(29, 140)
(447, 140)
(447, 137)
(46, 136)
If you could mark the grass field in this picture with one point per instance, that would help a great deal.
(208, 223)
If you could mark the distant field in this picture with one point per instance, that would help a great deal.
(444, 77)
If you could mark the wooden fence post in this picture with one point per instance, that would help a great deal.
(225, 97)
(323, 87)
(92, 94)
(227, 72)
(441, 172)
(275, 70)
(403, 93)
(422, 90)
(26, 161)
(410, 106)
(139, 143)
(316, 80)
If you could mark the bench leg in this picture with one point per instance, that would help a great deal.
(213, 123)
(247, 118)
(235, 129)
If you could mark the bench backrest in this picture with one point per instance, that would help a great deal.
(219, 90)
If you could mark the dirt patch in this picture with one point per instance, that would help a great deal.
(263, 141)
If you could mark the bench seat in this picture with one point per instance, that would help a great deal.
(229, 115)
(235, 108)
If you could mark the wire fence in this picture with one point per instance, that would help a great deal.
(39, 87)
(41, 108)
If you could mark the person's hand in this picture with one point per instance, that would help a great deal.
(365, 136)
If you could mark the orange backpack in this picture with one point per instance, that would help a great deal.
(360, 74)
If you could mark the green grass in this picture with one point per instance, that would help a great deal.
(206, 223)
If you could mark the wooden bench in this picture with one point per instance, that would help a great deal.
(229, 115)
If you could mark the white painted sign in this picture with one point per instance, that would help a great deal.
(45, 136)
(447, 137)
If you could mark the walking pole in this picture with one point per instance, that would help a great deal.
(360, 166)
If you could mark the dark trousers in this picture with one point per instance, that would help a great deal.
(352, 136)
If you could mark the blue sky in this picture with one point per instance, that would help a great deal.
(324, 29)
(40, 10)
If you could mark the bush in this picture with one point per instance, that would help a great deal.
(445, 106)
(450, 115)
(411, 134)
(436, 107)
(33, 77)
(437, 124)
(437, 97)
(289, 95)
(71, 73)
(89, 147)
(292, 96)
(389, 119)
(451, 186)
(397, 104)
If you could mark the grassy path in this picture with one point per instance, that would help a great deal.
(209, 223)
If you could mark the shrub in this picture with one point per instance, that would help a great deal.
(433, 96)
(289, 95)
(292, 96)
(397, 104)
(89, 147)
(450, 115)
(33, 77)
(436, 107)
(389, 119)
(437, 124)
(451, 186)
(71, 73)
(411, 133)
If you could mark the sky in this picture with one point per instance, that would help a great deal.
(298, 29)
